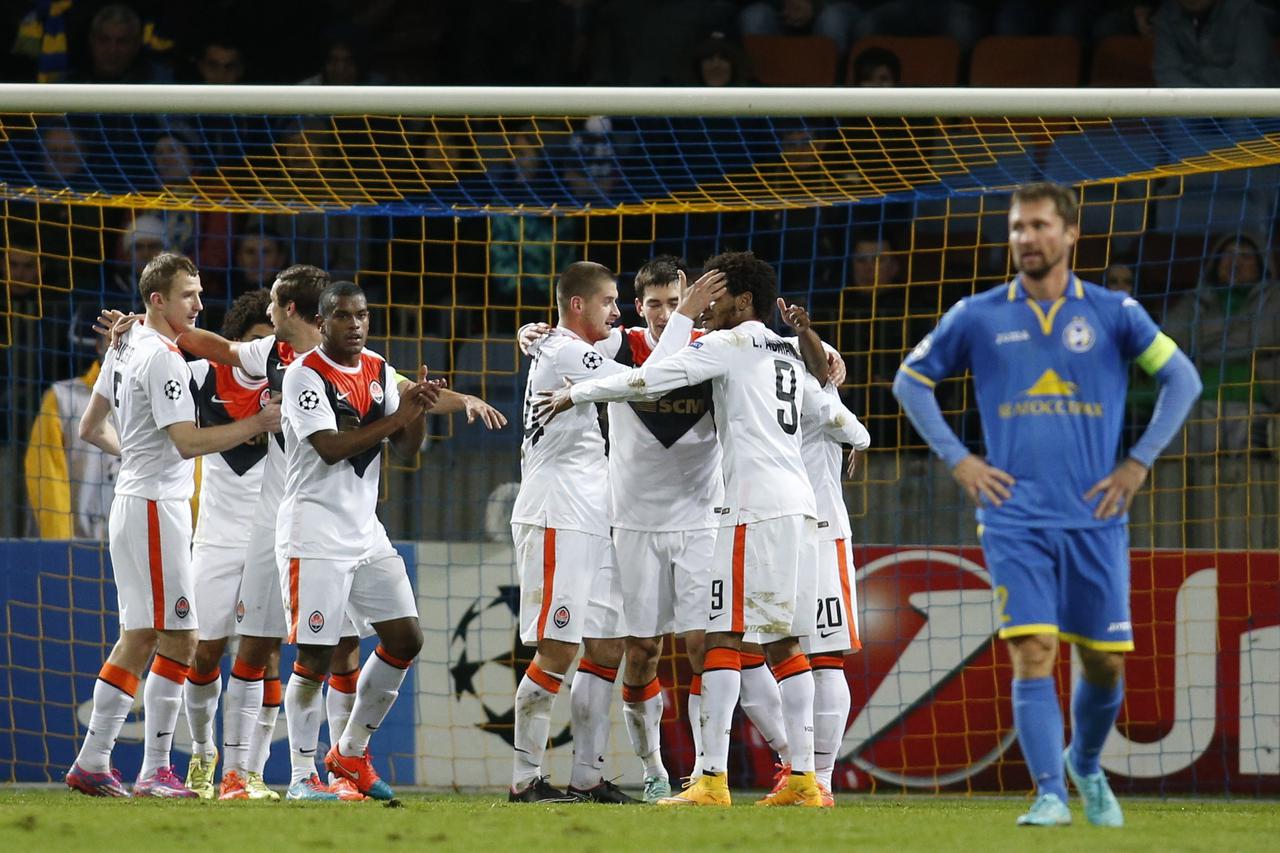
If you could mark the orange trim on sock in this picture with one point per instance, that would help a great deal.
(299, 669)
(793, 665)
(271, 697)
(170, 669)
(390, 659)
(344, 682)
(244, 672)
(203, 678)
(119, 678)
(636, 695)
(695, 685)
(826, 662)
(549, 683)
(721, 659)
(609, 675)
(750, 660)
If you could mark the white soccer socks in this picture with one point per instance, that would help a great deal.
(642, 710)
(161, 704)
(695, 723)
(265, 728)
(762, 703)
(534, 697)
(302, 708)
(113, 694)
(376, 690)
(830, 713)
(200, 699)
(795, 684)
(239, 712)
(721, 683)
(589, 697)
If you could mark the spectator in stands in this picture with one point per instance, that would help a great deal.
(70, 483)
(116, 40)
(345, 64)
(41, 38)
(63, 157)
(139, 242)
(33, 333)
(1230, 327)
(21, 277)
(877, 67)
(717, 62)
(220, 62)
(963, 20)
(1212, 43)
(260, 254)
(833, 19)
(1119, 276)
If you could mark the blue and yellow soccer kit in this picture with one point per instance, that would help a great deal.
(1050, 381)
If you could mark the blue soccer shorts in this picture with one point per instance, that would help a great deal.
(1069, 582)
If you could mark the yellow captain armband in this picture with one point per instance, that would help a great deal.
(1157, 355)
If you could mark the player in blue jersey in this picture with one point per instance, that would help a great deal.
(1050, 359)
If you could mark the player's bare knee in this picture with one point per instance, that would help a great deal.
(1033, 656)
(208, 653)
(606, 652)
(260, 651)
(178, 645)
(346, 655)
(723, 640)
(315, 658)
(695, 648)
(642, 659)
(781, 650)
(1101, 669)
(555, 656)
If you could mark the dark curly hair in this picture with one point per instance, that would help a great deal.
(247, 311)
(745, 273)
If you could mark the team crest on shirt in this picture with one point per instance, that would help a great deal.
(560, 617)
(315, 621)
(592, 360)
(264, 398)
(308, 400)
(1079, 336)
(375, 391)
(240, 610)
(173, 390)
(922, 348)
(182, 607)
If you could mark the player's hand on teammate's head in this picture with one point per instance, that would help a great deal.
(548, 404)
(491, 417)
(836, 373)
(112, 324)
(1117, 489)
(531, 334)
(982, 481)
(696, 298)
(794, 316)
(269, 415)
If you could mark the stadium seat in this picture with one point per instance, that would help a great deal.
(1122, 61)
(793, 60)
(1025, 61)
(926, 60)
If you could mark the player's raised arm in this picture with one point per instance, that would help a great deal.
(811, 349)
(837, 421)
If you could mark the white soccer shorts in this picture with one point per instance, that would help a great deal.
(260, 612)
(605, 617)
(558, 579)
(217, 571)
(324, 597)
(836, 624)
(665, 579)
(764, 579)
(150, 545)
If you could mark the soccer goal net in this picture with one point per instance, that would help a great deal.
(455, 209)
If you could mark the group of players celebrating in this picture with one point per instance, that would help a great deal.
(713, 511)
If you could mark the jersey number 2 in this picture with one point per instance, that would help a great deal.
(784, 385)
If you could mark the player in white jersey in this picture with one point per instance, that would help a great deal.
(254, 697)
(229, 486)
(340, 402)
(759, 390)
(836, 625)
(664, 480)
(145, 387)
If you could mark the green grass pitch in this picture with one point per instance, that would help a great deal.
(40, 820)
